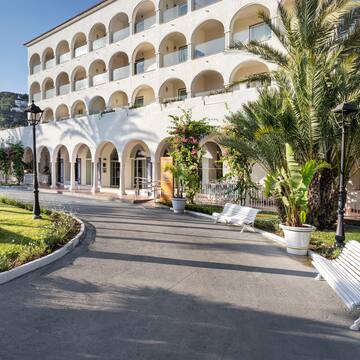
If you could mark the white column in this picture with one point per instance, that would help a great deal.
(131, 28)
(95, 187)
(72, 177)
(122, 178)
(191, 50)
(158, 16)
(227, 40)
(53, 174)
(189, 5)
(158, 59)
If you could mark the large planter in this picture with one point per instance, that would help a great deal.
(178, 205)
(297, 238)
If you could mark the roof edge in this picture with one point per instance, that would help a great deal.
(101, 4)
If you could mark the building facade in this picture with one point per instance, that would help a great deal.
(109, 78)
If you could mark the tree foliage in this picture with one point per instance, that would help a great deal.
(11, 161)
(317, 68)
(186, 135)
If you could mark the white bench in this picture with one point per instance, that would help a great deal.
(343, 275)
(237, 215)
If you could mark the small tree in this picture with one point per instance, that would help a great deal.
(17, 151)
(239, 164)
(187, 153)
(5, 163)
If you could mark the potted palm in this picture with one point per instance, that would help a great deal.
(290, 186)
(178, 201)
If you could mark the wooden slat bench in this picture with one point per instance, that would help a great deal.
(343, 275)
(237, 215)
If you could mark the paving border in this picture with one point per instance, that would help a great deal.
(45, 260)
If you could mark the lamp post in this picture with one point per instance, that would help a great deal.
(34, 114)
(345, 109)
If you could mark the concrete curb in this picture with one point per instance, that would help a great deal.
(79, 195)
(46, 260)
(270, 236)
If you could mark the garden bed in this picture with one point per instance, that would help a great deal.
(322, 242)
(23, 239)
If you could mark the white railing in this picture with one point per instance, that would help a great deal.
(99, 79)
(146, 65)
(120, 73)
(120, 34)
(209, 47)
(49, 64)
(175, 12)
(64, 58)
(175, 57)
(173, 99)
(36, 96)
(145, 24)
(219, 193)
(36, 69)
(80, 84)
(258, 32)
(82, 50)
(49, 93)
(201, 3)
(64, 89)
(209, 92)
(98, 43)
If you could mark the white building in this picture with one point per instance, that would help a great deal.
(109, 77)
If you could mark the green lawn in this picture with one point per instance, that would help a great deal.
(23, 239)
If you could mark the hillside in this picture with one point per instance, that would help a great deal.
(12, 110)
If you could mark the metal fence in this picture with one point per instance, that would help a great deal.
(221, 193)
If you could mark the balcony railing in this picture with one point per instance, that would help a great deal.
(175, 12)
(145, 24)
(144, 66)
(49, 64)
(36, 96)
(49, 93)
(120, 34)
(64, 89)
(120, 73)
(201, 3)
(98, 43)
(36, 69)
(80, 84)
(209, 92)
(175, 57)
(64, 58)
(82, 50)
(209, 47)
(99, 79)
(173, 99)
(258, 32)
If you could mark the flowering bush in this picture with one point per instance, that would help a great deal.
(186, 135)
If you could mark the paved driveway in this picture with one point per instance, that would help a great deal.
(148, 284)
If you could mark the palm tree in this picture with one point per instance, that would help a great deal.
(317, 58)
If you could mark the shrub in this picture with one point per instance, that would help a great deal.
(59, 232)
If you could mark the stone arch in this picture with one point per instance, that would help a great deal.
(173, 49)
(206, 83)
(208, 38)
(118, 99)
(142, 96)
(172, 90)
(119, 27)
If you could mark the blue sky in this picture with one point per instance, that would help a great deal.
(22, 20)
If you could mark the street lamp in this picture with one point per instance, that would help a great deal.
(34, 114)
(345, 109)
